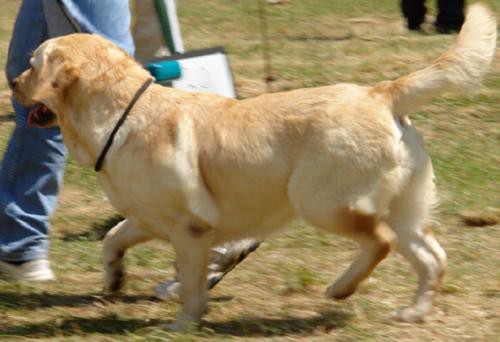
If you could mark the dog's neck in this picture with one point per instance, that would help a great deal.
(90, 117)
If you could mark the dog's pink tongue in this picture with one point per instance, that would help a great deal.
(31, 117)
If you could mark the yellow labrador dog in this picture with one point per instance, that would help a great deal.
(200, 169)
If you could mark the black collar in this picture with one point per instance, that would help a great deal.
(140, 91)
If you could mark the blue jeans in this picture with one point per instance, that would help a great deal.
(32, 169)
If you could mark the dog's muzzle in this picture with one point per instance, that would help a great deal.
(40, 116)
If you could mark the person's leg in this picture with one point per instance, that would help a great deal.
(414, 12)
(31, 171)
(450, 15)
(32, 168)
(110, 19)
(223, 259)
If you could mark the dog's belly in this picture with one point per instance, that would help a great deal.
(246, 208)
(251, 195)
(248, 219)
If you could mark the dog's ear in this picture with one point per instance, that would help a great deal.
(56, 82)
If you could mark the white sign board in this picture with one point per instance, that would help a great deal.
(204, 71)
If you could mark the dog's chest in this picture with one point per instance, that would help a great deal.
(140, 197)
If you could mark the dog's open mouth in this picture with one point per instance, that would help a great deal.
(40, 116)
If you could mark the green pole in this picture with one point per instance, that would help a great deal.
(161, 11)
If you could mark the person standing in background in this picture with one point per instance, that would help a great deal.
(449, 19)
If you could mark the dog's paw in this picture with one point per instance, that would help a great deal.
(182, 324)
(337, 292)
(409, 314)
(115, 280)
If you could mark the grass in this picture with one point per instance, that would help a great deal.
(313, 43)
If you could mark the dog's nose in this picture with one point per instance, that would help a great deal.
(14, 84)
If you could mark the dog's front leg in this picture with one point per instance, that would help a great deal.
(192, 248)
(122, 236)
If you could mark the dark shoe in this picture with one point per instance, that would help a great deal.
(442, 29)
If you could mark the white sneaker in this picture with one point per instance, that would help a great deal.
(34, 270)
(168, 290)
(223, 259)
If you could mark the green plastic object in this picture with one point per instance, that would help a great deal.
(161, 11)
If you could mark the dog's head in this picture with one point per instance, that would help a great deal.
(42, 85)
(58, 67)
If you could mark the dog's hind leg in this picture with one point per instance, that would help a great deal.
(408, 218)
(327, 206)
(121, 237)
(375, 239)
(417, 244)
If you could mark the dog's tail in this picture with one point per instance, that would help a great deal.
(460, 68)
